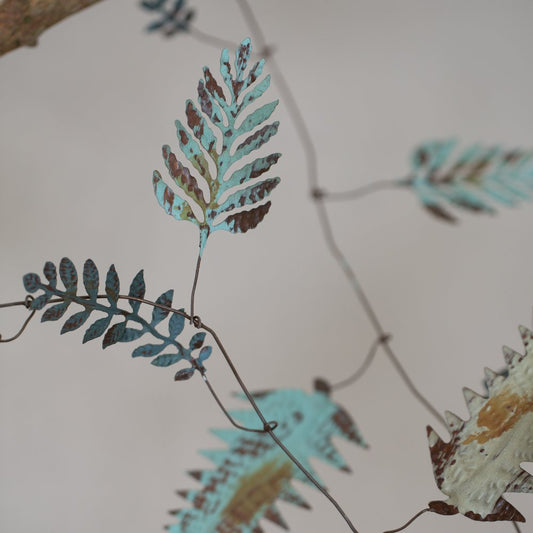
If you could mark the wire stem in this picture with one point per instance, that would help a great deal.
(364, 366)
(26, 303)
(314, 481)
(228, 416)
(312, 173)
(195, 282)
(268, 426)
(517, 527)
(409, 522)
(359, 192)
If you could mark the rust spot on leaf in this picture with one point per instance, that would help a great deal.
(499, 415)
(257, 491)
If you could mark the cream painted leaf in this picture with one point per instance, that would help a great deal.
(482, 460)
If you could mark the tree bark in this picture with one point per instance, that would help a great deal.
(22, 21)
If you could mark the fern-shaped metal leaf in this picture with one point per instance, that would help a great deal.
(173, 18)
(131, 325)
(482, 460)
(217, 205)
(474, 180)
(252, 473)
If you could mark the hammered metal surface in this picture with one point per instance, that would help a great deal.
(482, 459)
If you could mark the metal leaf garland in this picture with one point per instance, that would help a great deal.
(482, 459)
(253, 472)
(166, 350)
(226, 192)
(476, 178)
(172, 20)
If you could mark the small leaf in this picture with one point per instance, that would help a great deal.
(166, 359)
(176, 324)
(50, 274)
(55, 312)
(245, 220)
(31, 282)
(197, 341)
(68, 274)
(114, 334)
(256, 140)
(205, 352)
(250, 195)
(160, 314)
(40, 301)
(91, 279)
(184, 374)
(112, 285)
(75, 321)
(251, 170)
(131, 334)
(137, 290)
(97, 329)
(149, 350)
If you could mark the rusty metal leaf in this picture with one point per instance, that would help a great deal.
(112, 285)
(482, 459)
(119, 331)
(174, 17)
(91, 280)
(253, 473)
(221, 118)
(137, 290)
(475, 179)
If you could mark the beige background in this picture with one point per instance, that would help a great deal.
(93, 441)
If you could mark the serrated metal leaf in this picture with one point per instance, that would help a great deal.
(482, 459)
(252, 473)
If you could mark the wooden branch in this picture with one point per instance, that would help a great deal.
(22, 21)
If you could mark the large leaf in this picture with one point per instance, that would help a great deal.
(482, 459)
(474, 180)
(206, 195)
(253, 473)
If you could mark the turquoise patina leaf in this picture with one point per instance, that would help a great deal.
(120, 331)
(252, 474)
(475, 179)
(213, 143)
